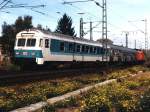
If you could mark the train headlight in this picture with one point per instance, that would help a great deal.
(33, 53)
(17, 53)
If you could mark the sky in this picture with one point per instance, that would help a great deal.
(123, 16)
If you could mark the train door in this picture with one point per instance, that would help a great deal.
(46, 49)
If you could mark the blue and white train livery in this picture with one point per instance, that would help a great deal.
(45, 46)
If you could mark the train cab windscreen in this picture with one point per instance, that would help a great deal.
(21, 42)
(31, 42)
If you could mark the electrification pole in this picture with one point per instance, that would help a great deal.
(144, 32)
(146, 38)
(91, 31)
(81, 28)
(135, 44)
(104, 25)
(127, 40)
(104, 21)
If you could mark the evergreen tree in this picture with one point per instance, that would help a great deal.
(23, 23)
(9, 33)
(7, 38)
(27, 22)
(65, 26)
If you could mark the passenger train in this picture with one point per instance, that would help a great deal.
(43, 46)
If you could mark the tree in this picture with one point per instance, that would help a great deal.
(65, 26)
(7, 38)
(9, 33)
(23, 23)
(19, 24)
(27, 22)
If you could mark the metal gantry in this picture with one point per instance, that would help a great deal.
(104, 27)
(104, 21)
(145, 32)
(104, 14)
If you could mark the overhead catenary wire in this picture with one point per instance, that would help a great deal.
(92, 28)
(77, 1)
(5, 4)
(2, 2)
(80, 9)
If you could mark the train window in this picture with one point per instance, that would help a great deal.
(78, 48)
(21, 42)
(87, 49)
(94, 50)
(62, 46)
(41, 43)
(31, 42)
(91, 49)
(83, 48)
(46, 43)
(98, 50)
(70, 47)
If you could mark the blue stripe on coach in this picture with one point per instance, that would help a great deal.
(28, 54)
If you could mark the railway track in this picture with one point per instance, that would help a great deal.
(33, 76)
(26, 77)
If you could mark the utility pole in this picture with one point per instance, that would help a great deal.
(127, 39)
(146, 38)
(144, 32)
(104, 25)
(81, 28)
(91, 31)
(135, 44)
(104, 15)
(104, 20)
(81, 32)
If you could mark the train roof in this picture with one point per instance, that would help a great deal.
(70, 37)
(121, 48)
(44, 32)
(60, 35)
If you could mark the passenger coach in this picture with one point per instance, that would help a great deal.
(41, 47)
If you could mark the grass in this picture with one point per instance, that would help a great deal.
(131, 95)
(17, 96)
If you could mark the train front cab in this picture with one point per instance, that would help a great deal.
(29, 48)
(140, 56)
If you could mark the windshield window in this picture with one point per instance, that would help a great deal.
(21, 42)
(31, 42)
